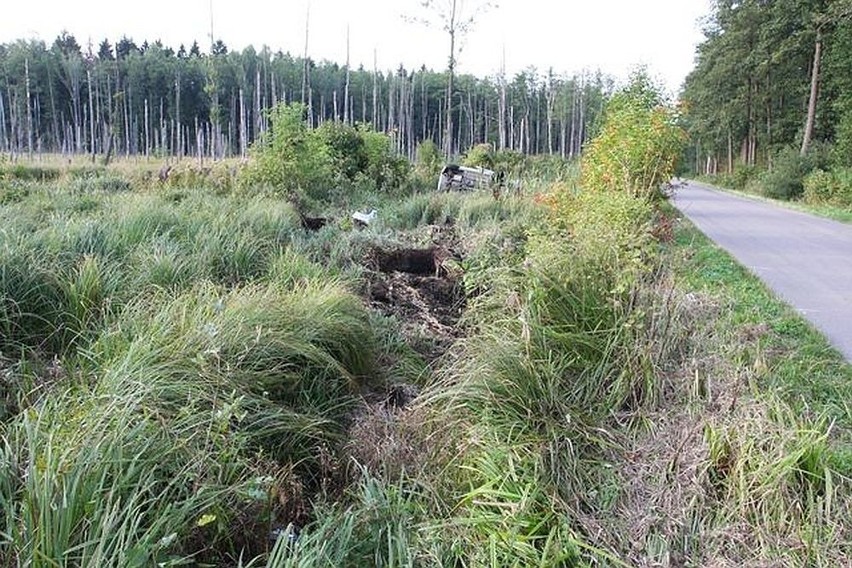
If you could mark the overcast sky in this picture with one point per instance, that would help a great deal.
(567, 35)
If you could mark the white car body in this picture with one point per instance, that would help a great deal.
(464, 178)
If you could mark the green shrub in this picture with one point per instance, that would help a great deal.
(362, 154)
(428, 159)
(554, 346)
(833, 187)
(480, 156)
(347, 148)
(384, 168)
(637, 147)
(510, 162)
(313, 163)
(743, 174)
(841, 154)
(786, 178)
(614, 228)
(290, 157)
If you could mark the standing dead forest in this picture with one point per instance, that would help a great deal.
(152, 100)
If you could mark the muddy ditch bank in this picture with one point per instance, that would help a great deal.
(417, 286)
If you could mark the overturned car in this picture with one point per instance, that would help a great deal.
(463, 178)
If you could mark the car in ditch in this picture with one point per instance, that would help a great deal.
(464, 178)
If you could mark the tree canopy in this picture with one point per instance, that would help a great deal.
(748, 96)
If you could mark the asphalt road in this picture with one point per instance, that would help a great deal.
(805, 260)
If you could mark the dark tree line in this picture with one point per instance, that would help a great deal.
(149, 99)
(770, 74)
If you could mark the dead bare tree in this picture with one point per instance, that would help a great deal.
(346, 117)
(456, 18)
(501, 102)
(841, 10)
(375, 91)
(29, 109)
(306, 73)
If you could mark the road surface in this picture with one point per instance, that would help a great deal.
(805, 260)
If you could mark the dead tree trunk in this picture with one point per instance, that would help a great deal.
(243, 126)
(812, 101)
(4, 140)
(29, 109)
(92, 145)
(346, 117)
(448, 136)
(305, 68)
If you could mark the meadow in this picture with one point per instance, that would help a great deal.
(573, 377)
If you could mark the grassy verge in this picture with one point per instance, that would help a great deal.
(746, 461)
(800, 365)
(742, 457)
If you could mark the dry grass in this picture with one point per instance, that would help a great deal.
(723, 473)
(397, 437)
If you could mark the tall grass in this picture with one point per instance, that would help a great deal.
(764, 475)
(202, 373)
(62, 268)
(383, 527)
(97, 478)
(467, 211)
(192, 378)
(306, 347)
(31, 299)
(163, 423)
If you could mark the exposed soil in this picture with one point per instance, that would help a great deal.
(312, 223)
(413, 261)
(416, 286)
(425, 294)
(429, 307)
